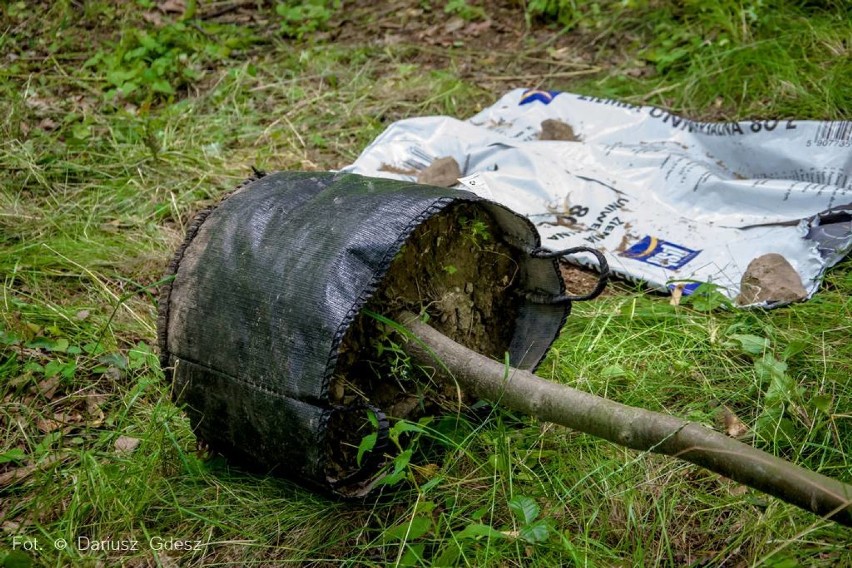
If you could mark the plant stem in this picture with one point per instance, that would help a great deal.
(634, 428)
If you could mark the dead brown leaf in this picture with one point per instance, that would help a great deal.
(93, 409)
(38, 103)
(734, 427)
(48, 124)
(126, 444)
(48, 425)
(454, 25)
(48, 387)
(21, 473)
(153, 18)
(172, 6)
(476, 28)
(82, 103)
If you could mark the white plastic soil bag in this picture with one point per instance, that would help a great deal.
(668, 200)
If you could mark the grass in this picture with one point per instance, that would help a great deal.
(97, 190)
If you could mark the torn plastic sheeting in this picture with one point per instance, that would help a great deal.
(669, 200)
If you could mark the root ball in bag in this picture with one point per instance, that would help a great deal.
(262, 327)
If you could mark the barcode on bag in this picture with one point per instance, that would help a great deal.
(834, 133)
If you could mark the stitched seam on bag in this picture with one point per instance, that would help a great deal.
(171, 270)
(247, 382)
(439, 205)
(166, 293)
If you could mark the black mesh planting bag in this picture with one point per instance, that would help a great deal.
(257, 328)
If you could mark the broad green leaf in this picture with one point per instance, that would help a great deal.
(9, 338)
(447, 557)
(392, 478)
(120, 77)
(751, 344)
(128, 87)
(399, 468)
(782, 561)
(479, 513)
(401, 461)
(373, 419)
(368, 442)
(793, 348)
(425, 507)
(613, 371)
(41, 343)
(822, 402)
(81, 131)
(94, 60)
(140, 356)
(162, 86)
(114, 359)
(68, 370)
(526, 510)
(431, 484)
(134, 54)
(538, 531)
(413, 555)
(148, 42)
(405, 426)
(767, 368)
(707, 298)
(772, 426)
(53, 368)
(781, 389)
(476, 530)
(33, 367)
(13, 455)
(17, 559)
(410, 529)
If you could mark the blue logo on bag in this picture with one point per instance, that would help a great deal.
(660, 253)
(531, 95)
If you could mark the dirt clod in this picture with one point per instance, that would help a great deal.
(443, 172)
(553, 129)
(770, 278)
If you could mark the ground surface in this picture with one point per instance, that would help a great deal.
(121, 120)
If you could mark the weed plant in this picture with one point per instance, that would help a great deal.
(116, 129)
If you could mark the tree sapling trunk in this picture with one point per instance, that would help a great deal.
(634, 428)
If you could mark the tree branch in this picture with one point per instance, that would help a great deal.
(634, 428)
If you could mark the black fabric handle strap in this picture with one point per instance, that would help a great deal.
(603, 266)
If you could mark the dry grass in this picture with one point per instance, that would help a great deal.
(96, 192)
